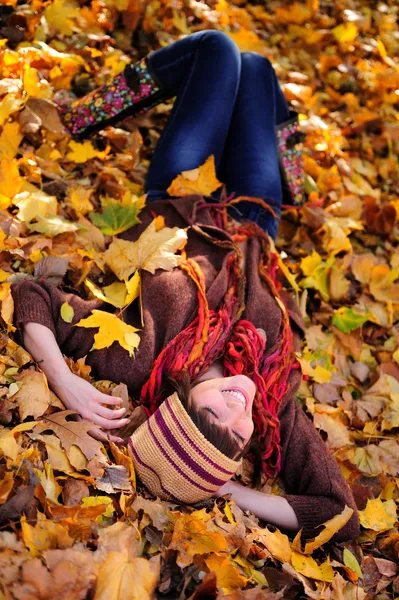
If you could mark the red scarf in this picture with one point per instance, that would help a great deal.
(222, 334)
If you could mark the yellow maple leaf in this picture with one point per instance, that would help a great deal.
(330, 528)
(111, 329)
(10, 139)
(120, 577)
(378, 515)
(153, 250)
(79, 199)
(228, 576)
(276, 542)
(201, 180)
(120, 293)
(60, 15)
(81, 153)
(10, 179)
(191, 536)
(44, 535)
(306, 565)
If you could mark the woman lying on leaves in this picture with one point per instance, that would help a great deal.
(215, 369)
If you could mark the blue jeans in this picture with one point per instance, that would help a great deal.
(227, 104)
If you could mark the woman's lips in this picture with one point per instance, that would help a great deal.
(241, 391)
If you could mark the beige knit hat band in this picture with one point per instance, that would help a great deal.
(174, 459)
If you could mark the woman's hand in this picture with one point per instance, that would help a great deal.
(78, 394)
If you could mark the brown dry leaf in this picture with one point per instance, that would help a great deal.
(71, 433)
(123, 579)
(338, 433)
(116, 479)
(158, 511)
(33, 396)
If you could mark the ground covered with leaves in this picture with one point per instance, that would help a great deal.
(73, 523)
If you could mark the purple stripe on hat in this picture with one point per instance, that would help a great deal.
(190, 441)
(174, 465)
(182, 454)
(143, 464)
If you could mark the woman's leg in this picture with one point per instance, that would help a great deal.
(203, 72)
(250, 162)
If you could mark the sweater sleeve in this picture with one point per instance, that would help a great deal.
(315, 486)
(39, 301)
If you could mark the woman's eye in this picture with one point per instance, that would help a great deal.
(212, 412)
(239, 437)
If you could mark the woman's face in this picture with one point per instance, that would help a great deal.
(228, 400)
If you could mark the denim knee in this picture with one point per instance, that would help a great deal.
(220, 40)
(254, 60)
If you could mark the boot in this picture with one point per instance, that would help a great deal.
(134, 91)
(290, 144)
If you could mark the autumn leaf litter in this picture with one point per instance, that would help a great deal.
(75, 523)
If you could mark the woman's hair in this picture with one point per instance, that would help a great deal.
(218, 436)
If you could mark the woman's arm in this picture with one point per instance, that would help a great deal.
(316, 488)
(75, 393)
(270, 508)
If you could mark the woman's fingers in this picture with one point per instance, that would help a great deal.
(107, 413)
(105, 399)
(105, 437)
(109, 424)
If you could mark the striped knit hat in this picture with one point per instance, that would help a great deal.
(174, 459)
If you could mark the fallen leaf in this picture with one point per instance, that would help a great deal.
(67, 312)
(116, 216)
(155, 249)
(71, 433)
(115, 479)
(191, 536)
(201, 180)
(227, 575)
(120, 578)
(111, 329)
(378, 515)
(81, 153)
(44, 535)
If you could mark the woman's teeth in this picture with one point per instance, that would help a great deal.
(239, 395)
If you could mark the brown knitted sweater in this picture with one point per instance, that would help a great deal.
(315, 487)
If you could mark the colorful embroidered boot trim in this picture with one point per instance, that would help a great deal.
(134, 91)
(290, 143)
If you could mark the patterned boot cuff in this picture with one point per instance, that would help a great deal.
(290, 145)
(134, 91)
